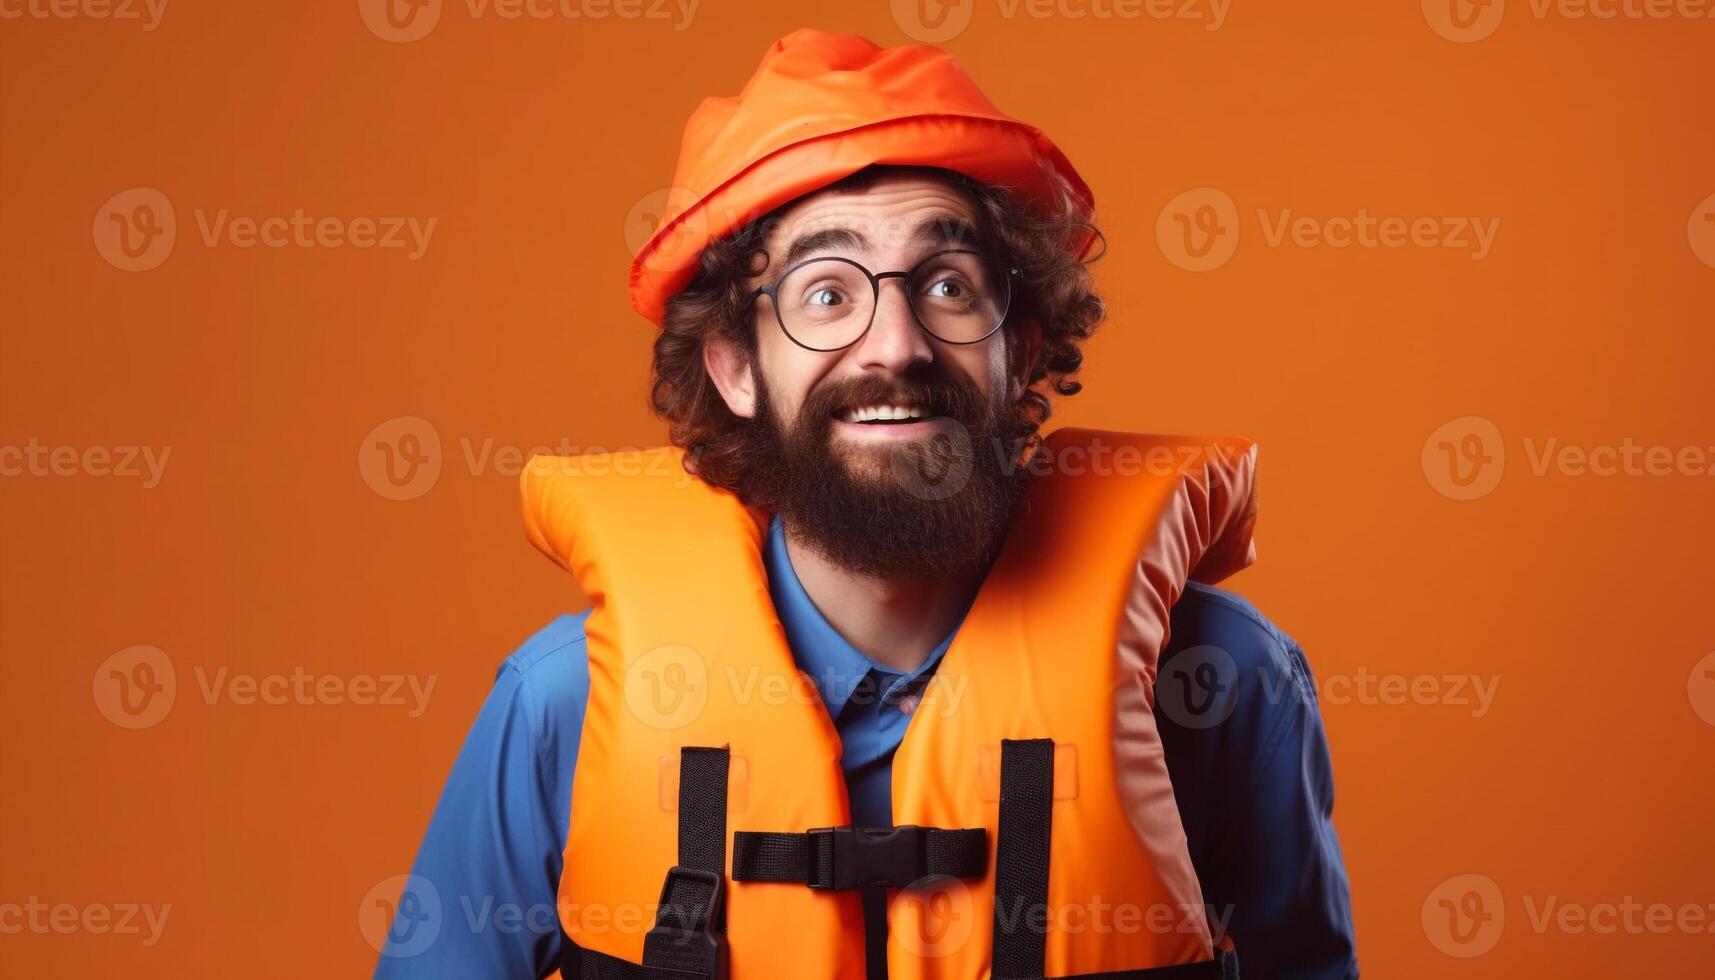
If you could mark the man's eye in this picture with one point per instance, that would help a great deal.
(946, 289)
(826, 296)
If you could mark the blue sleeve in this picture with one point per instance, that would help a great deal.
(1249, 761)
(480, 899)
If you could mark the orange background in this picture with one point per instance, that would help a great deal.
(264, 549)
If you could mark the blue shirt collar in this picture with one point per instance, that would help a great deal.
(828, 658)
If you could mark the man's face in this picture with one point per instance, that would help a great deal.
(893, 225)
(876, 493)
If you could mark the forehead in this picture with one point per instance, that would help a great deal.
(891, 214)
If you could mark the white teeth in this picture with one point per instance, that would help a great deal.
(882, 413)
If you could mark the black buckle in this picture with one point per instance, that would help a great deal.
(859, 856)
(687, 933)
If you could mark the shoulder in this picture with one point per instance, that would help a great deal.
(548, 676)
(1232, 687)
(1249, 761)
(542, 659)
(1206, 609)
(1211, 622)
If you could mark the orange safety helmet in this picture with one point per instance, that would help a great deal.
(821, 107)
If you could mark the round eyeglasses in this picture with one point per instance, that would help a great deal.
(959, 296)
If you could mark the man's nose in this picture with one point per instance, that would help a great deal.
(894, 341)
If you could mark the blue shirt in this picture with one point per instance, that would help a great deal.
(1246, 752)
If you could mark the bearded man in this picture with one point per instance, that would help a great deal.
(871, 284)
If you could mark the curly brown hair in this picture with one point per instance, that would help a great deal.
(1055, 288)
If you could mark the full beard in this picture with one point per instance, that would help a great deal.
(922, 507)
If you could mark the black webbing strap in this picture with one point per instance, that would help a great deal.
(1207, 970)
(577, 963)
(1021, 858)
(1021, 876)
(702, 808)
(687, 938)
(843, 858)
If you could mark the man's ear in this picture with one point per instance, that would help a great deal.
(1025, 341)
(729, 367)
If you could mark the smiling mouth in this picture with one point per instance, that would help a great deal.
(885, 414)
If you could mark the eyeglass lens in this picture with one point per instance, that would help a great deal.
(958, 296)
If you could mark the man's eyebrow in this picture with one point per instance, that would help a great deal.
(822, 241)
(945, 231)
(931, 231)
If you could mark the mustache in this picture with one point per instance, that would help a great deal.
(936, 392)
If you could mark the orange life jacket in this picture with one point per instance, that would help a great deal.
(1040, 836)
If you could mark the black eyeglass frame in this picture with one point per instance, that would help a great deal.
(875, 279)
